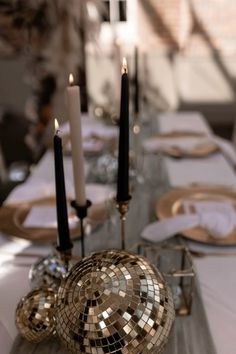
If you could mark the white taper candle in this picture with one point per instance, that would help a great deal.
(74, 115)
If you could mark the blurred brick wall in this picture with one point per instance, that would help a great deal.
(171, 24)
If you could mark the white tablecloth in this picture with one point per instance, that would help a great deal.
(216, 274)
(183, 121)
(214, 169)
(218, 288)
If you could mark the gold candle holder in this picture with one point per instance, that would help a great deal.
(136, 128)
(65, 256)
(122, 207)
(81, 211)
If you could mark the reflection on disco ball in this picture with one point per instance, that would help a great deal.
(47, 271)
(105, 170)
(35, 315)
(114, 302)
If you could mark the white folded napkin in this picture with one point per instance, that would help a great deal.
(188, 143)
(44, 216)
(218, 218)
(161, 230)
(90, 145)
(91, 127)
(185, 144)
(35, 190)
(31, 190)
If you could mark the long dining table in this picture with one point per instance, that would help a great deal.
(209, 331)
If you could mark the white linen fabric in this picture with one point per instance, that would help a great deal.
(183, 121)
(226, 148)
(209, 170)
(193, 122)
(93, 127)
(161, 230)
(188, 143)
(218, 288)
(215, 273)
(185, 144)
(41, 182)
(45, 215)
(218, 218)
(14, 285)
(6, 341)
(97, 193)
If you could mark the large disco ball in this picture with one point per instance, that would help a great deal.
(35, 315)
(114, 302)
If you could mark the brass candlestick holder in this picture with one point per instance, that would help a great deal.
(81, 212)
(135, 151)
(122, 207)
(136, 128)
(65, 256)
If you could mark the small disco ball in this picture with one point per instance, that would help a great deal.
(35, 315)
(105, 169)
(47, 271)
(114, 302)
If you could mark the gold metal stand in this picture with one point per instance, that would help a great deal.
(81, 212)
(122, 207)
(136, 128)
(65, 257)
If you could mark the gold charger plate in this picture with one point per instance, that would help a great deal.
(200, 150)
(12, 218)
(170, 204)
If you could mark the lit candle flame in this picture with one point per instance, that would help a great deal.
(71, 79)
(124, 66)
(56, 125)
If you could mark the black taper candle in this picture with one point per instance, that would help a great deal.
(123, 158)
(63, 241)
(136, 82)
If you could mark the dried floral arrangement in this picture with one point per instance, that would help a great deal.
(51, 34)
(48, 28)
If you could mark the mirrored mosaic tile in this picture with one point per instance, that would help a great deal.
(35, 315)
(100, 310)
(47, 271)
